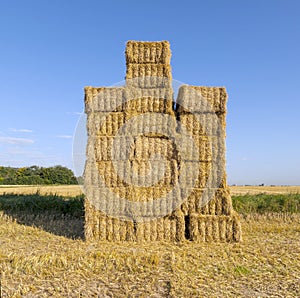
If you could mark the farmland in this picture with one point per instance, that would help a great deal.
(43, 254)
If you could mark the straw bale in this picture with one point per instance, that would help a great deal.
(105, 123)
(154, 147)
(215, 230)
(202, 229)
(149, 75)
(202, 124)
(153, 230)
(149, 123)
(188, 172)
(122, 230)
(104, 99)
(160, 228)
(236, 228)
(110, 147)
(148, 52)
(109, 229)
(130, 231)
(222, 228)
(180, 225)
(201, 99)
(203, 148)
(141, 100)
(229, 231)
(167, 228)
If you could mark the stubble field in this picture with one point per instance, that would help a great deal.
(43, 253)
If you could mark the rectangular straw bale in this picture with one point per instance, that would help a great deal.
(201, 99)
(105, 123)
(154, 147)
(104, 99)
(107, 148)
(208, 124)
(108, 174)
(140, 173)
(149, 75)
(202, 148)
(150, 123)
(207, 228)
(148, 52)
(188, 172)
(142, 100)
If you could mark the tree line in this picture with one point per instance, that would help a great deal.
(35, 175)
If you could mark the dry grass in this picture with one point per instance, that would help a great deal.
(75, 190)
(42, 254)
(35, 263)
(253, 190)
(61, 190)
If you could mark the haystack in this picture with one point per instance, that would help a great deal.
(136, 158)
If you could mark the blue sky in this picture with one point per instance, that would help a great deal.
(50, 50)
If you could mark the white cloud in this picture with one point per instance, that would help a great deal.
(15, 141)
(65, 137)
(21, 130)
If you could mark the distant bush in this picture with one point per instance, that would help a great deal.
(35, 175)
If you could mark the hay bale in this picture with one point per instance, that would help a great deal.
(148, 52)
(149, 75)
(188, 172)
(105, 123)
(236, 228)
(203, 124)
(222, 228)
(201, 99)
(160, 228)
(180, 225)
(146, 147)
(203, 148)
(122, 230)
(130, 231)
(202, 228)
(156, 100)
(215, 230)
(149, 123)
(167, 228)
(107, 148)
(104, 99)
(109, 229)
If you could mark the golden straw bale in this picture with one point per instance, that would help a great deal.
(142, 100)
(206, 124)
(201, 99)
(149, 75)
(104, 99)
(148, 52)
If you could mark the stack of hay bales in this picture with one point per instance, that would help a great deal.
(202, 112)
(129, 118)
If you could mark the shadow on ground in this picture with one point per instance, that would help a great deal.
(59, 215)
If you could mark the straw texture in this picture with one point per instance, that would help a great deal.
(138, 155)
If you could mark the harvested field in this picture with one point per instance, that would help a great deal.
(75, 190)
(42, 254)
